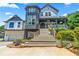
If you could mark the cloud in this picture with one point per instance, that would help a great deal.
(10, 16)
(65, 14)
(77, 10)
(8, 13)
(67, 4)
(10, 5)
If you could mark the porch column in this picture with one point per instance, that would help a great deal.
(45, 24)
(56, 24)
(65, 23)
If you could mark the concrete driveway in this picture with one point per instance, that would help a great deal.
(3, 43)
(35, 51)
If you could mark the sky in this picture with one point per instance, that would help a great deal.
(7, 10)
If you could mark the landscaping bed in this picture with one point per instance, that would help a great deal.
(18, 46)
(69, 39)
(73, 50)
(18, 43)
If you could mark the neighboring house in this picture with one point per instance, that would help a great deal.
(14, 28)
(36, 18)
(2, 33)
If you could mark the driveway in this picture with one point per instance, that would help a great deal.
(35, 51)
(3, 43)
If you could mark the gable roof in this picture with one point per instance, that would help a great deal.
(14, 18)
(50, 6)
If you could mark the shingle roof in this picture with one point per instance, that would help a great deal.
(14, 18)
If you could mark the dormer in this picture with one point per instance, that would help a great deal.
(14, 23)
(48, 11)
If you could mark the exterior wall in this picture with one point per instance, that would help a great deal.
(32, 13)
(29, 19)
(15, 25)
(13, 34)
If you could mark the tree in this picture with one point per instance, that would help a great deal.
(73, 20)
(2, 27)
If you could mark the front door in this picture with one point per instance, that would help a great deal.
(42, 25)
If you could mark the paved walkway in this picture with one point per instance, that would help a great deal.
(35, 51)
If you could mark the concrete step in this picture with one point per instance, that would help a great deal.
(41, 43)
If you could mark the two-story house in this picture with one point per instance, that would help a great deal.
(36, 18)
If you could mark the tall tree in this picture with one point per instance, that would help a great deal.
(73, 20)
(2, 27)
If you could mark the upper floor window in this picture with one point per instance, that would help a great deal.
(41, 13)
(19, 24)
(32, 10)
(29, 9)
(11, 25)
(29, 23)
(33, 21)
(46, 14)
(49, 13)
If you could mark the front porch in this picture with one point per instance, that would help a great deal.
(53, 22)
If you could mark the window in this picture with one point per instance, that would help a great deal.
(29, 23)
(31, 9)
(41, 13)
(11, 25)
(33, 21)
(19, 24)
(49, 13)
(46, 14)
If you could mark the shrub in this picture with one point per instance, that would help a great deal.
(50, 29)
(67, 35)
(18, 41)
(58, 36)
(76, 30)
(59, 29)
(75, 44)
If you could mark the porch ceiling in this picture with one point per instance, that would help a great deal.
(53, 19)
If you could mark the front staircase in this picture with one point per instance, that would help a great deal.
(44, 39)
(44, 36)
